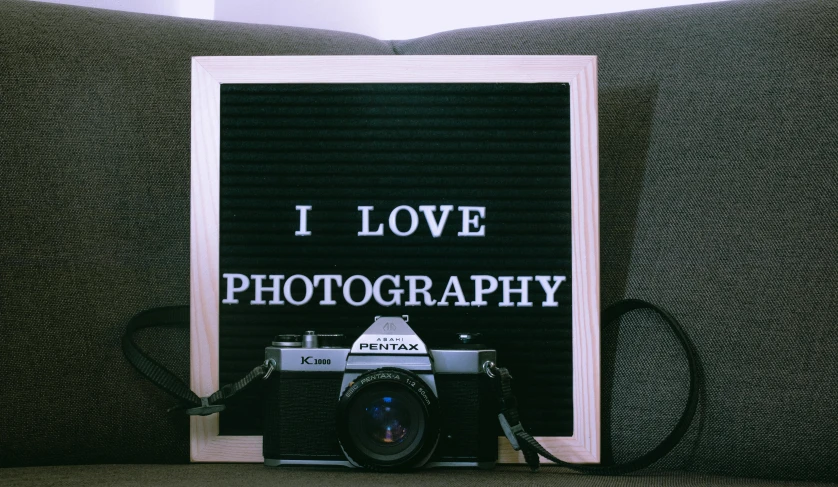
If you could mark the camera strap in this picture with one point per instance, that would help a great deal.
(192, 404)
(524, 442)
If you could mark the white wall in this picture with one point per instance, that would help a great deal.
(394, 19)
(384, 19)
(195, 9)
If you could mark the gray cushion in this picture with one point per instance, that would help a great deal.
(94, 146)
(719, 199)
(259, 475)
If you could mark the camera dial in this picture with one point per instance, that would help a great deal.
(287, 341)
(310, 340)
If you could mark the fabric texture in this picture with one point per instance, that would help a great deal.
(719, 202)
(259, 475)
(94, 147)
(718, 184)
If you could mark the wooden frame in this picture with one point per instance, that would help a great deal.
(208, 73)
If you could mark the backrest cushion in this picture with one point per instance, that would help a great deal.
(719, 201)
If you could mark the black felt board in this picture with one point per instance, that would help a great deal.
(339, 146)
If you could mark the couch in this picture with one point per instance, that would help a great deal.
(719, 202)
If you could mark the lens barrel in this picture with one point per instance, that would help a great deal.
(388, 418)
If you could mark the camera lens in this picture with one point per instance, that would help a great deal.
(386, 424)
(387, 418)
(387, 421)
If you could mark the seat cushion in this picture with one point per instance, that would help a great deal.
(259, 475)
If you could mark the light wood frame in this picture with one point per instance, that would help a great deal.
(208, 73)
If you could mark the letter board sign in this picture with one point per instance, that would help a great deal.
(458, 190)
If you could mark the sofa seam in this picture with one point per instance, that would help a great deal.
(394, 48)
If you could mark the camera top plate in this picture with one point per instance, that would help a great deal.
(389, 335)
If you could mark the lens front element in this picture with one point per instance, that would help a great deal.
(387, 418)
(387, 421)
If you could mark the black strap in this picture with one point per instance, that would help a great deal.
(178, 317)
(523, 441)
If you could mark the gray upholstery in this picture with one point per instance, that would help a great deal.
(719, 201)
(719, 198)
(94, 150)
(259, 475)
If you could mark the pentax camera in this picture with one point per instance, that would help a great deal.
(388, 402)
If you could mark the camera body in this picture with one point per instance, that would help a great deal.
(386, 402)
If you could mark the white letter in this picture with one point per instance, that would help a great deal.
(479, 291)
(327, 287)
(414, 220)
(232, 289)
(472, 221)
(367, 290)
(396, 293)
(260, 289)
(436, 227)
(524, 291)
(309, 289)
(365, 223)
(413, 290)
(303, 231)
(458, 292)
(550, 290)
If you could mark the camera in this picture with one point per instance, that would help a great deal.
(386, 402)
